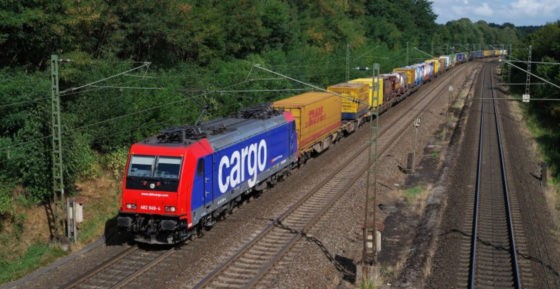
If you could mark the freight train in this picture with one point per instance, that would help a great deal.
(186, 178)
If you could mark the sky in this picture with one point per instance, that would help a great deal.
(518, 12)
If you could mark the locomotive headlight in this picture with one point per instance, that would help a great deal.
(170, 209)
(131, 206)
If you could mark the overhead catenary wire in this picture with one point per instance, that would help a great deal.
(31, 141)
(146, 64)
(127, 87)
(24, 102)
(532, 74)
(92, 86)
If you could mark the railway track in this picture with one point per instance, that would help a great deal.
(249, 267)
(495, 224)
(120, 270)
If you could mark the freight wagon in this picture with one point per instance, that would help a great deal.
(446, 63)
(419, 73)
(435, 66)
(461, 57)
(410, 75)
(354, 99)
(317, 118)
(372, 98)
(477, 54)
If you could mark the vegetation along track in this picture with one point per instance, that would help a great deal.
(120, 270)
(248, 267)
(494, 220)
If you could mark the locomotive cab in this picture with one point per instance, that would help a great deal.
(152, 193)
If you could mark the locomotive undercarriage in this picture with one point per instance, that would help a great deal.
(153, 229)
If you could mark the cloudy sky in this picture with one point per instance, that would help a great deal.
(518, 12)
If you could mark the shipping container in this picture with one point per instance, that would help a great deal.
(441, 65)
(402, 82)
(452, 59)
(354, 99)
(393, 84)
(410, 74)
(371, 98)
(461, 57)
(389, 88)
(476, 54)
(445, 59)
(487, 53)
(426, 69)
(317, 118)
(419, 73)
(435, 66)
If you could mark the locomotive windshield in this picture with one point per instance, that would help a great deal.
(158, 167)
(153, 172)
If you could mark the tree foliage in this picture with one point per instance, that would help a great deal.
(202, 56)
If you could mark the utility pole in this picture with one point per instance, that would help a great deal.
(57, 211)
(407, 53)
(416, 125)
(432, 49)
(509, 68)
(371, 239)
(528, 79)
(347, 61)
(59, 204)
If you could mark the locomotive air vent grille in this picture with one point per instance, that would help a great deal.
(261, 111)
(178, 135)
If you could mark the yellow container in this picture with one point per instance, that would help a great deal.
(410, 74)
(436, 63)
(368, 81)
(487, 53)
(316, 114)
(354, 99)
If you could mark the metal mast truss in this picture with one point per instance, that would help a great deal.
(56, 155)
(369, 246)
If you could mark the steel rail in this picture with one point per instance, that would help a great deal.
(513, 248)
(101, 267)
(472, 270)
(507, 205)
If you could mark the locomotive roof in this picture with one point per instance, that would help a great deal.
(221, 132)
(237, 130)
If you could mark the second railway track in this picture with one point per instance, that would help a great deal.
(495, 240)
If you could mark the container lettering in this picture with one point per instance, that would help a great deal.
(250, 159)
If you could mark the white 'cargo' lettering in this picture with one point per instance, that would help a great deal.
(253, 157)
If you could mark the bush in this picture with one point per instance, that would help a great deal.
(115, 162)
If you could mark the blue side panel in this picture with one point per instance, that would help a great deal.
(240, 166)
(202, 187)
(197, 195)
(477, 54)
(353, 116)
(348, 116)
